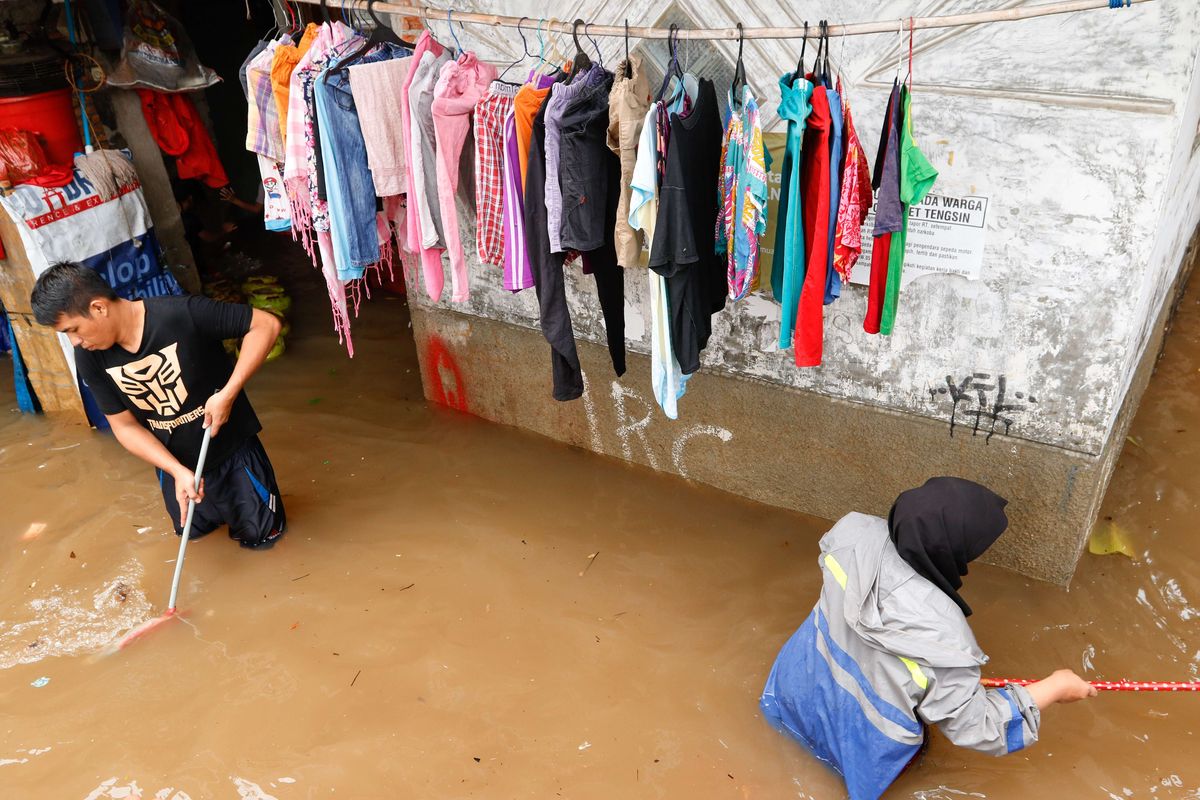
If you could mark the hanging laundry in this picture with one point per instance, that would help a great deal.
(518, 272)
(814, 180)
(526, 105)
(179, 132)
(562, 94)
(916, 179)
(833, 282)
(350, 190)
(627, 104)
(589, 186)
(263, 136)
(461, 85)
(262, 118)
(742, 189)
(667, 381)
(375, 87)
(788, 274)
(590, 181)
(310, 213)
(566, 376)
(431, 259)
(258, 47)
(684, 250)
(310, 218)
(888, 211)
(491, 113)
(283, 63)
(276, 214)
(423, 148)
(855, 202)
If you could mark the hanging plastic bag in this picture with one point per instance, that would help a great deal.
(22, 160)
(156, 54)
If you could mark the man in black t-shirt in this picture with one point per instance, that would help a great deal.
(160, 374)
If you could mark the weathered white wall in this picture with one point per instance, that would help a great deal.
(1080, 128)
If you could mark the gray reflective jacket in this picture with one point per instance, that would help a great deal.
(883, 653)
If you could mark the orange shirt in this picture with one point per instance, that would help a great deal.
(526, 104)
(282, 63)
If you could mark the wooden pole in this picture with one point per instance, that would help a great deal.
(849, 29)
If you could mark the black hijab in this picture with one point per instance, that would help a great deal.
(944, 525)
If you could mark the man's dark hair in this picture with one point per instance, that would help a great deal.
(67, 288)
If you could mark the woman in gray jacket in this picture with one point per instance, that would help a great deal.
(887, 649)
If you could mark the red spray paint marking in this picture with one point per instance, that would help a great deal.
(446, 384)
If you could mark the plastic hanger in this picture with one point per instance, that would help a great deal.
(628, 65)
(908, 79)
(297, 29)
(580, 61)
(799, 73)
(828, 68)
(275, 17)
(739, 71)
(595, 44)
(672, 64)
(325, 12)
(556, 57)
(354, 22)
(381, 34)
(900, 53)
(524, 50)
(450, 25)
(541, 47)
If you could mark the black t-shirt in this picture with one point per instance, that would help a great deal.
(684, 247)
(178, 366)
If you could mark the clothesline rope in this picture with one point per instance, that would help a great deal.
(848, 29)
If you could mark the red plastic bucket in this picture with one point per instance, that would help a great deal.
(51, 115)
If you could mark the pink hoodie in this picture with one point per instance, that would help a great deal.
(461, 85)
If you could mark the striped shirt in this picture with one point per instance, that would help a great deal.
(263, 134)
(517, 272)
(491, 114)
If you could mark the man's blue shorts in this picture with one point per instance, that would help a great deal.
(239, 492)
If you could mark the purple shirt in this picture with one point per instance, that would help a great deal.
(517, 273)
(889, 214)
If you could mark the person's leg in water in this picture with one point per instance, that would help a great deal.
(240, 492)
(206, 518)
(248, 497)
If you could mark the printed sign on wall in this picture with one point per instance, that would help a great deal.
(945, 236)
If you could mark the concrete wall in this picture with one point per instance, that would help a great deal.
(1081, 129)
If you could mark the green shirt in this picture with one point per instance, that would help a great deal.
(916, 179)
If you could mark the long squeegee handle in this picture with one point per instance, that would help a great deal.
(187, 527)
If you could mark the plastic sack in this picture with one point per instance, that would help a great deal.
(21, 155)
(156, 54)
(22, 160)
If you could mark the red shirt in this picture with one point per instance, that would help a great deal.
(808, 339)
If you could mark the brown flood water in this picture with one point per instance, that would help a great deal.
(423, 630)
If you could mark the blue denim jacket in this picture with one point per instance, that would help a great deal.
(350, 189)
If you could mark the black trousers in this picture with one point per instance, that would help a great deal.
(550, 284)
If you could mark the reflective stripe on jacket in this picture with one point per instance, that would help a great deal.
(883, 652)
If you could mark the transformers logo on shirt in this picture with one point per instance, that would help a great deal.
(154, 383)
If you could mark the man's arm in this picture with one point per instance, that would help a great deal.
(143, 444)
(258, 341)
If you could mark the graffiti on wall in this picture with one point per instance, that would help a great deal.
(983, 402)
(442, 375)
(634, 416)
